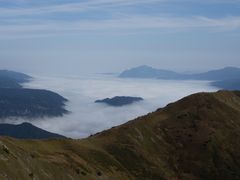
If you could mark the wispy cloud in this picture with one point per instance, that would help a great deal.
(41, 20)
(65, 6)
(118, 24)
(72, 7)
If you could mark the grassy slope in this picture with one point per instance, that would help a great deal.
(197, 137)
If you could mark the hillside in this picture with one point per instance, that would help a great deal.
(30, 103)
(231, 84)
(6, 82)
(197, 137)
(26, 131)
(16, 101)
(11, 79)
(16, 76)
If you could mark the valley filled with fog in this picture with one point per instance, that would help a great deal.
(87, 117)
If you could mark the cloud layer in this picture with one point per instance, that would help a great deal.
(88, 117)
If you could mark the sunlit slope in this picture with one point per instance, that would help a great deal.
(197, 137)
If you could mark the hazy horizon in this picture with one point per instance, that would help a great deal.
(65, 44)
(71, 64)
(96, 36)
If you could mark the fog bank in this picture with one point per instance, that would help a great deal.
(87, 117)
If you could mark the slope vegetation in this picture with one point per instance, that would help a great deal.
(197, 137)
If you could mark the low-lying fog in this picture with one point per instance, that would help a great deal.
(88, 117)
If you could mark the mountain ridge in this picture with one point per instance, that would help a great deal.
(26, 131)
(197, 137)
(145, 71)
(16, 76)
(149, 72)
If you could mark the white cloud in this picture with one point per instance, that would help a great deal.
(88, 118)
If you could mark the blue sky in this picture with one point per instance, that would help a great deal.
(75, 37)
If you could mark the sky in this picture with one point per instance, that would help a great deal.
(71, 37)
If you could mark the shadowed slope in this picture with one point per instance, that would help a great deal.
(16, 76)
(198, 137)
(26, 131)
(30, 103)
(16, 101)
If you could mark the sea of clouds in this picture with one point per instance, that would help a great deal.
(87, 117)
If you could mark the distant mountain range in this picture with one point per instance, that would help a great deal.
(26, 131)
(120, 100)
(149, 72)
(225, 78)
(197, 137)
(16, 101)
(217, 75)
(230, 84)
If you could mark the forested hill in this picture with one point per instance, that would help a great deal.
(16, 101)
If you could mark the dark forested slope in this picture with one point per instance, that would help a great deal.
(26, 131)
